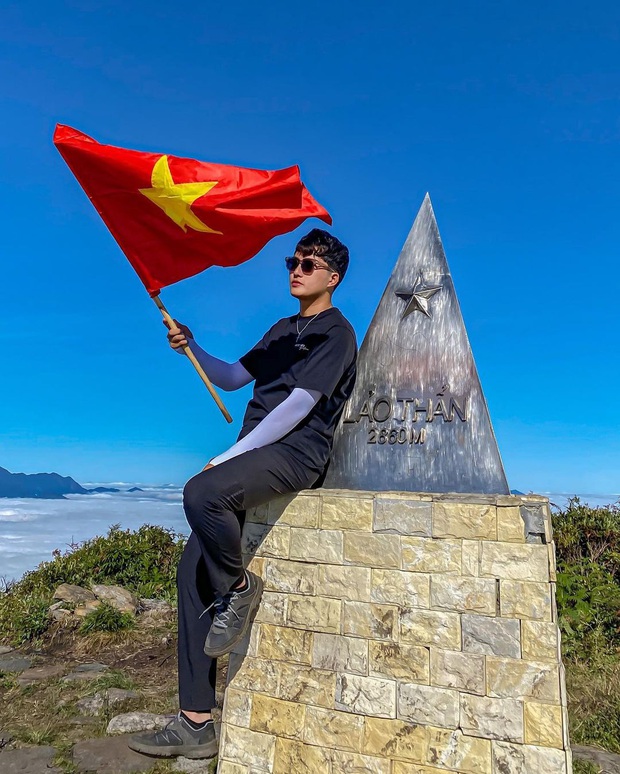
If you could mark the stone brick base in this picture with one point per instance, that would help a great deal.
(399, 634)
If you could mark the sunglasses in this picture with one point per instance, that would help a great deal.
(308, 265)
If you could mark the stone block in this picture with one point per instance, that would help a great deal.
(492, 718)
(428, 705)
(315, 613)
(254, 563)
(251, 748)
(470, 558)
(346, 513)
(401, 767)
(464, 595)
(536, 529)
(540, 640)
(237, 707)
(407, 589)
(372, 550)
(543, 724)
(344, 582)
(511, 561)
(277, 717)
(366, 695)
(290, 577)
(515, 679)
(395, 739)
(527, 759)
(299, 511)
(520, 599)
(552, 563)
(353, 763)
(373, 621)
(431, 627)
(398, 661)
(292, 757)
(316, 545)
(333, 729)
(273, 607)
(453, 669)
(464, 520)
(265, 540)
(510, 525)
(400, 516)
(340, 654)
(257, 515)
(420, 554)
(226, 767)
(282, 643)
(454, 750)
(307, 685)
(252, 674)
(491, 636)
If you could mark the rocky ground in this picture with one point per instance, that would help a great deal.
(68, 702)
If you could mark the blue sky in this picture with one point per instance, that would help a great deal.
(507, 113)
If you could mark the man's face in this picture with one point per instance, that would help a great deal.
(314, 284)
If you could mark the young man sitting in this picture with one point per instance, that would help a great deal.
(303, 370)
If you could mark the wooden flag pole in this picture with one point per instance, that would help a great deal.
(171, 324)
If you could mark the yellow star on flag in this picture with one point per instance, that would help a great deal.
(175, 199)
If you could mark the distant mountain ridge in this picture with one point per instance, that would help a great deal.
(45, 486)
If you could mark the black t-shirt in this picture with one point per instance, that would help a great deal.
(323, 360)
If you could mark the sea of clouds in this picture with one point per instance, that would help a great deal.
(31, 529)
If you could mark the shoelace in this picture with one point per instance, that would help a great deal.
(223, 609)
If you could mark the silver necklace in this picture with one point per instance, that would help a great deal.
(298, 345)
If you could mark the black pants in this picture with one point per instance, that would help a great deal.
(215, 502)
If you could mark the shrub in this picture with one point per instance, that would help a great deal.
(143, 561)
(588, 588)
(106, 618)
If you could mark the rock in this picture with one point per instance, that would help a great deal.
(4, 649)
(117, 596)
(29, 760)
(60, 614)
(108, 756)
(130, 722)
(81, 611)
(93, 705)
(117, 696)
(85, 672)
(67, 592)
(14, 663)
(609, 763)
(154, 617)
(35, 674)
(155, 604)
(92, 666)
(190, 766)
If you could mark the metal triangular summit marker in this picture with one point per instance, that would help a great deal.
(417, 419)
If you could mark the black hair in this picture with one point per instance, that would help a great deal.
(322, 244)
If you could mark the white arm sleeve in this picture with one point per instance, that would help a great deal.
(228, 376)
(276, 424)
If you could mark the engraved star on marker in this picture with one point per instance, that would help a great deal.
(418, 297)
(175, 199)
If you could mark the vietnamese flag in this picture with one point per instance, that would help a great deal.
(174, 217)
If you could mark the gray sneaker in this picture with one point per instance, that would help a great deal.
(233, 617)
(177, 738)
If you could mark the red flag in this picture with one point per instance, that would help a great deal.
(175, 217)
